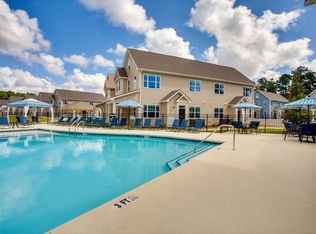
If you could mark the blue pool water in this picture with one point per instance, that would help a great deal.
(46, 179)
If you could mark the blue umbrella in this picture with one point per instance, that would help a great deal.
(246, 105)
(129, 103)
(30, 103)
(302, 103)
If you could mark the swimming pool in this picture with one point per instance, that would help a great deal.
(46, 178)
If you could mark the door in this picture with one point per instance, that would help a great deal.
(239, 115)
(181, 112)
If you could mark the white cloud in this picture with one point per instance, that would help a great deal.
(166, 41)
(76, 59)
(23, 81)
(19, 33)
(119, 50)
(246, 41)
(82, 81)
(52, 64)
(123, 12)
(100, 61)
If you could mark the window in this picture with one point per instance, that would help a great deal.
(219, 113)
(195, 86)
(135, 82)
(257, 95)
(151, 111)
(128, 86)
(151, 81)
(247, 91)
(195, 112)
(91, 103)
(118, 85)
(257, 103)
(219, 88)
(265, 103)
(129, 64)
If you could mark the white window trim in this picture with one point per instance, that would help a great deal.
(195, 86)
(155, 110)
(148, 74)
(218, 113)
(195, 112)
(219, 89)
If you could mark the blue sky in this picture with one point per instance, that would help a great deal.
(73, 44)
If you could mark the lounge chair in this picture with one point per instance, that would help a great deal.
(238, 125)
(24, 122)
(254, 125)
(4, 122)
(306, 131)
(102, 122)
(138, 123)
(67, 121)
(176, 123)
(147, 123)
(198, 124)
(123, 122)
(113, 122)
(60, 120)
(72, 121)
(158, 123)
(183, 124)
(94, 122)
(290, 129)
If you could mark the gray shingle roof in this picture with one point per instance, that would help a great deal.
(45, 97)
(273, 96)
(170, 64)
(79, 95)
(172, 93)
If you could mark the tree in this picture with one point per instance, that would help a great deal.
(297, 89)
(267, 85)
(283, 85)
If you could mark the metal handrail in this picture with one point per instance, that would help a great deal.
(219, 127)
(79, 124)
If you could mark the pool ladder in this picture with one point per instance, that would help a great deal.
(198, 149)
(76, 126)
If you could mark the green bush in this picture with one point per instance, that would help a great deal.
(297, 116)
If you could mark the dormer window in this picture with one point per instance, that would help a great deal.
(129, 64)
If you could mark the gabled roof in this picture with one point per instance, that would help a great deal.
(15, 98)
(175, 65)
(122, 72)
(273, 96)
(109, 82)
(79, 95)
(44, 96)
(237, 100)
(313, 94)
(174, 93)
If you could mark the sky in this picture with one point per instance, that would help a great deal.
(73, 44)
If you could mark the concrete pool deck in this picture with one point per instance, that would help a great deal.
(266, 185)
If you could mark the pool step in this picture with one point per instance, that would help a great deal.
(186, 157)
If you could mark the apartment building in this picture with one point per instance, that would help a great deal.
(172, 86)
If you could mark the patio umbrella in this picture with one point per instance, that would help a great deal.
(129, 103)
(31, 102)
(306, 102)
(246, 105)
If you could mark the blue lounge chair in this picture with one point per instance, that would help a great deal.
(238, 125)
(4, 122)
(60, 120)
(114, 122)
(158, 123)
(176, 123)
(67, 121)
(123, 122)
(290, 129)
(88, 121)
(198, 124)
(72, 121)
(147, 123)
(94, 122)
(138, 123)
(306, 131)
(23, 121)
(102, 122)
(183, 124)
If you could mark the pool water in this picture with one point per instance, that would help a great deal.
(47, 179)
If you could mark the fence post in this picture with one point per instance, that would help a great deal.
(265, 123)
(46, 117)
(206, 122)
(163, 121)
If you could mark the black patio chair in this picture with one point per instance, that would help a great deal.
(290, 129)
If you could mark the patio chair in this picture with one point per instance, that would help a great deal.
(254, 125)
(158, 123)
(24, 122)
(147, 123)
(60, 120)
(102, 122)
(138, 123)
(72, 121)
(238, 125)
(306, 131)
(198, 124)
(4, 122)
(290, 129)
(94, 122)
(176, 123)
(88, 121)
(123, 122)
(183, 124)
(67, 121)
(114, 122)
